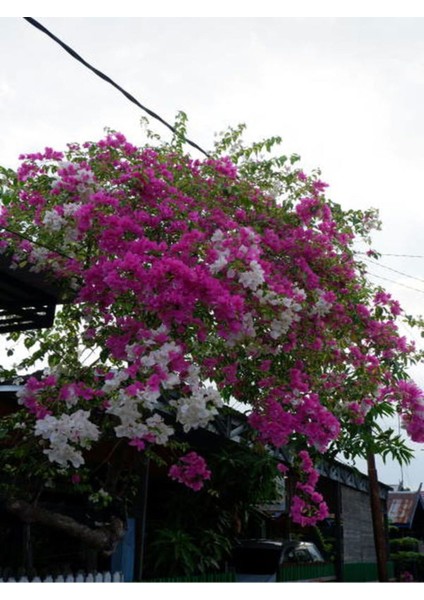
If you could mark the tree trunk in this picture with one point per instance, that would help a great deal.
(103, 538)
(377, 519)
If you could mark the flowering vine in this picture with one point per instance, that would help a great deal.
(190, 470)
(192, 283)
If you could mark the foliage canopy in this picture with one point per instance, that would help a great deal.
(192, 284)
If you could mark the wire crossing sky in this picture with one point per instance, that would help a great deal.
(109, 80)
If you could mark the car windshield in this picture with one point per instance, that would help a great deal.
(301, 553)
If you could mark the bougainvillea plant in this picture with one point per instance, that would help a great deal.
(193, 283)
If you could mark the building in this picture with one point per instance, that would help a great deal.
(406, 512)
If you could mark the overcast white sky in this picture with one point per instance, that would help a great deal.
(347, 94)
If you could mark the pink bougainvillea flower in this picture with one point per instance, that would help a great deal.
(196, 283)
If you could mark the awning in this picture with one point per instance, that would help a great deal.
(27, 299)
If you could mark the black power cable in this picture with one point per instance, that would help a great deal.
(374, 262)
(397, 255)
(396, 282)
(129, 96)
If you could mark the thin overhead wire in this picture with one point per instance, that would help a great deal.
(100, 74)
(374, 262)
(396, 282)
(405, 255)
(397, 255)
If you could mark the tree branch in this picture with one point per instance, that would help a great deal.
(103, 538)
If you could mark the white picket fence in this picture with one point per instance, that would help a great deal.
(78, 578)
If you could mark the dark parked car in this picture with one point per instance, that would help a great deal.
(259, 560)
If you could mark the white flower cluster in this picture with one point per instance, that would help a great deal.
(281, 325)
(65, 434)
(21, 394)
(151, 339)
(275, 299)
(161, 358)
(321, 307)
(126, 408)
(112, 384)
(100, 497)
(83, 176)
(53, 221)
(192, 411)
(198, 408)
(156, 426)
(290, 315)
(253, 278)
(38, 257)
(223, 253)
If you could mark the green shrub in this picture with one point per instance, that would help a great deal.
(405, 544)
(408, 562)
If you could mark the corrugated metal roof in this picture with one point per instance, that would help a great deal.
(401, 507)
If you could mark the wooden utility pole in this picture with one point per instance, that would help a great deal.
(377, 520)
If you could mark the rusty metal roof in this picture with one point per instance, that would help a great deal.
(402, 506)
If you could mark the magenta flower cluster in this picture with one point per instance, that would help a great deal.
(191, 470)
(193, 286)
(308, 505)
